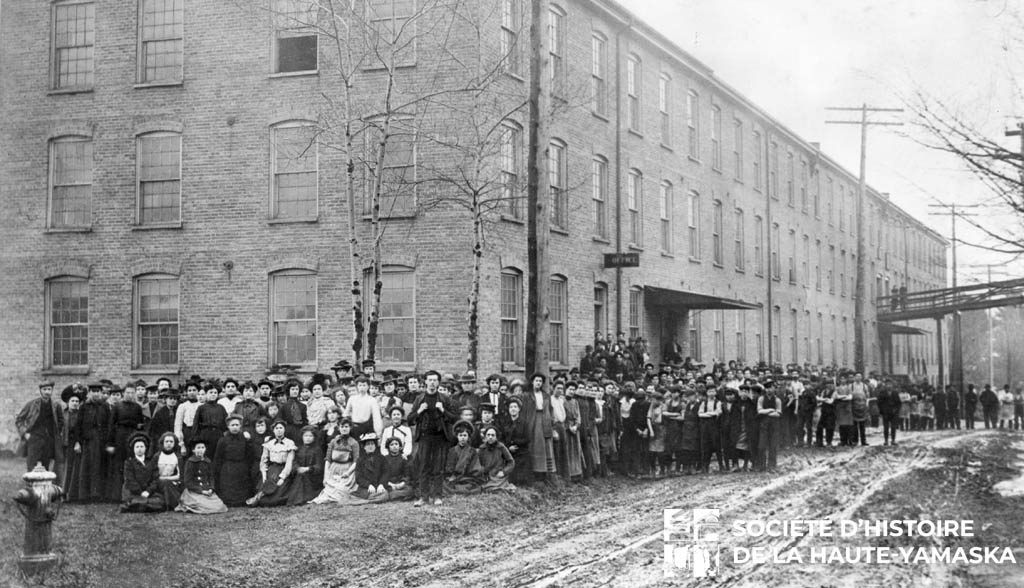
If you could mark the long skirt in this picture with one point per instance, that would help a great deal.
(136, 503)
(561, 449)
(393, 495)
(171, 491)
(200, 503)
(494, 484)
(522, 473)
(305, 487)
(542, 450)
(72, 473)
(591, 450)
(574, 453)
(274, 494)
(234, 482)
(461, 485)
(338, 486)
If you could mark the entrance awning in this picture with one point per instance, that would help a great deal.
(894, 329)
(654, 296)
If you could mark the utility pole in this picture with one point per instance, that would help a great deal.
(768, 248)
(859, 288)
(988, 315)
(1019, 132)
(538, 216)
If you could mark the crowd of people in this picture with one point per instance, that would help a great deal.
(358, 437)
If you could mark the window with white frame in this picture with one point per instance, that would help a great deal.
(817, 195)
(664, 105)
(396, 324)
(790, 172)
(757, 160)
(717, 227)
(634, 77)
(805, 261)
(829, 199)
(842, 208)
(67, 322)
(693, 124)
(556, 51)
(511, 311)
(773, 170)
(161, 30)
(693, 223)
(741, 335)
(635, 312)
(716, 137)
(71, 182)
(818, 340)
(694, 335)
(392, 30)
(294, 171)
(776, 329)
(794, 352)
(818, 262)
(599, 193)
(398, 172)
(74, 35)
(159, 178)
(719, 334)
(803, 185)
(634, 202)
(293, 318)
(832, 271)
(511, 25)
(599, 73)
(791, 257)
(842, 273)
(665, 202)
(776, 256)
(511, 146)
(740, 241)
(157, 298)
(737, 149)
(295, 36)
(558, 318)
(600, 307)
(759, 335)
(558, 174)
(758, 246)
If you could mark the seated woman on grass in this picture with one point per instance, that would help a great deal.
(141, 489)
(496, 462)
(309, 469)
(370, 469)
(395, 476)
(169, 469)
(339, 469)
(276, 465)
(462, 470)
(198, 496)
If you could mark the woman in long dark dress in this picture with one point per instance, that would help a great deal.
(517, 439)
(309, 469)
(276, 466)
(690, 438)
(673, 415)
(232, 464)
(140, 491)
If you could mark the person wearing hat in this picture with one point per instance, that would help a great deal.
(72, 396)
(140, 486)
(211, 421)
(369, 368)
(537, 413)
(125, 420)
(40, 425)
(308, 480)
(487, 412)
(248, 408)
(232, 464)
(293, 411)
(93, 420)
(769, 412)
(162, 420)
(369, 469)
(462, 472)
(431, 415)
(398, 429)
(466, 393)
(149, 399)
(276, 467)
(339, 471)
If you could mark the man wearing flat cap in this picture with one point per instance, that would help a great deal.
(40, 425)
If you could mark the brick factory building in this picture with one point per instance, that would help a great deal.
(173, 180)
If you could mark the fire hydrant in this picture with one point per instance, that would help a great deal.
(39, 504)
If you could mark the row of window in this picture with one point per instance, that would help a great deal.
(160, 46)
(156, 310)
(293, 170)
(817, 339)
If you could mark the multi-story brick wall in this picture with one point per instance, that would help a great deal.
(227, 248)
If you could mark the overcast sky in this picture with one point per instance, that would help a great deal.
(795, 57)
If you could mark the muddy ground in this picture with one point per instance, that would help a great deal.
(607, 533)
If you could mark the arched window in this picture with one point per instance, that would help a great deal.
(558, 174)
(159, 178)
(67, 322)
(636, 308)
(511, 313)
(293, 160)
(558, 319)
(665, 201)
(156, 318)
(634, 83)
(70, 182)
(600, 307)
(396, 324)
(293, 317)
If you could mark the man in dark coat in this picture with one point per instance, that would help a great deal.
(939, 403)
(889, 409)
(41, 426)
(432, 415)
(952, 408)
(990, 406)
(93, 423)
(970, 406)
(162, 420)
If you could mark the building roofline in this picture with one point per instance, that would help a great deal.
(669, 47)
